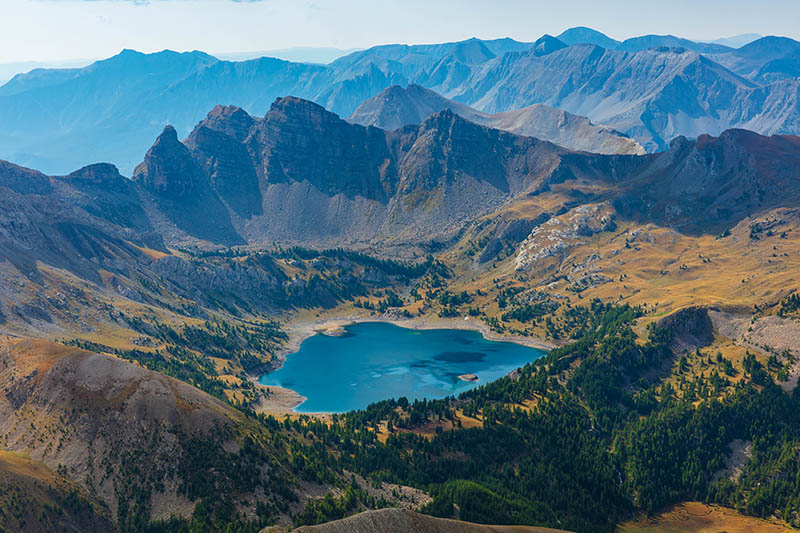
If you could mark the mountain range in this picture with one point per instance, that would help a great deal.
(136, 311)
(651, 88)
(303, 175)
(396, 107)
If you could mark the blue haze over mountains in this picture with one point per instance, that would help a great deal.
(652, 88)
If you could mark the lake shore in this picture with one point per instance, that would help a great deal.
(284, 401)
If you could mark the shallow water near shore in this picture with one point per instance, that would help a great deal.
(375, 361)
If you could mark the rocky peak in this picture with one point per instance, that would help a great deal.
(297, 111)
(229, 168)
(23, 180)
(299, 140)
(97, 173)
(231, 120)
(546, 44)
(168, 168)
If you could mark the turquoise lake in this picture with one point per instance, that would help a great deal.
(376, 361)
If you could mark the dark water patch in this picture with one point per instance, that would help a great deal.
(460, 357)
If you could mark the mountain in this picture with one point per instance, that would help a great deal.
(403, 521)
(298, 54)
(636, 44)
(51, 124)
(134, 95)
(318, 178)
(675, 92)
(584, 35)
(301, 174)
(164, 293)
(764, 60)
(131, 437)
(737, 41)
(9, 70)
(396, 107)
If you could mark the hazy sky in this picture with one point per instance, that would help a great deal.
(48, 30)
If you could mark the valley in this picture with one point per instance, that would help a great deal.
(484, 285)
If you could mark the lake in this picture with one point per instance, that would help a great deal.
(376, 361)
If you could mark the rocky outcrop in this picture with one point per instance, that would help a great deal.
(690, 328)
(99, 173)
(168, 168)
(559, 235)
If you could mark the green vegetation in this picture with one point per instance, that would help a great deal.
(790, 305)
(332, 508)
(186, 353)
(577, 440)
(604, 436)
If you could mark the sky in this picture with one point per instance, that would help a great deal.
(57, 30)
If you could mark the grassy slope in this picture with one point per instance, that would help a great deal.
(34, 498)
(696, 517)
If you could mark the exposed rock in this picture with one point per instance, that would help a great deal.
(168, 168)
(560, 234)
(691, 328)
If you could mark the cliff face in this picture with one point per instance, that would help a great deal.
(302, 174)
(168, 168)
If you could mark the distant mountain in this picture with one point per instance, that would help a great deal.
(637, 44)
(9, 70)
(584, 35)
(62, 119)
(58, 120)
(298, 54)
(674, 92)
(396, 107)
(765, 60)
(737, 41)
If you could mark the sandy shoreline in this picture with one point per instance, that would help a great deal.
(284, 401)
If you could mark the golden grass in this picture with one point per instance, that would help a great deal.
(696, 517)
(19, 465)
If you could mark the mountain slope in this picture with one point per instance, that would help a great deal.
(675, 92)
(396, 107)
(402, 521)
(134, 438)
(34, 498)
